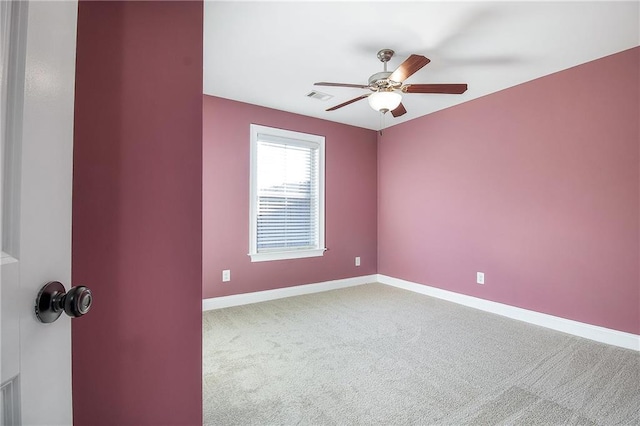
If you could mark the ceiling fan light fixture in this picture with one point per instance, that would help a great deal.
(384, 101)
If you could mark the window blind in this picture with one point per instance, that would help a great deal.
(287, 194)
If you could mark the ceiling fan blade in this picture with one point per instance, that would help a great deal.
(347, 103)
(400, 110)
(411, 65)
(454, 89)
(358, 86)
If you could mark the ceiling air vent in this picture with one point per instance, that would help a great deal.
(319, 95)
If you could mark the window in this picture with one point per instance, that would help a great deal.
(287, 194)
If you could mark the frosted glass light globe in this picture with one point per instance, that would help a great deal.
(384, 101)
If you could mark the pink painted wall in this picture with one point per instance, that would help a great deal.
(350, 198)
(537, 186)
(137, 213)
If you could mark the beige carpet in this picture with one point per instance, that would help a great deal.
(374, 354)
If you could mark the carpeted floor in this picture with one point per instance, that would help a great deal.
(375, 354)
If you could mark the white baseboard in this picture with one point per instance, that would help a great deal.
(588, 331)
(263, 296)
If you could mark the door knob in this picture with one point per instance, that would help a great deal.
(52, 300)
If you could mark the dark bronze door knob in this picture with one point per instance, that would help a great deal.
(52, 300)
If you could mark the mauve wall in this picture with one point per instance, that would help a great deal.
(137, 213)
(350, 198)
(537, 186)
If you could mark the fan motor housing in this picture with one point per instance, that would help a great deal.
(380, 81)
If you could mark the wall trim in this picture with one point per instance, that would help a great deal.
(588, 331)
(280, 293)
(580, 329)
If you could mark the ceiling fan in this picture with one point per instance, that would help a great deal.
(385, 85)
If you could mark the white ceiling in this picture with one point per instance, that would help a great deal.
(271, 53)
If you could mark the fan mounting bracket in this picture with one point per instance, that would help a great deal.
(385, 54)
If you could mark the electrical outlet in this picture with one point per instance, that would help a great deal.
(226, 275)
(358, 261)
(480, 277)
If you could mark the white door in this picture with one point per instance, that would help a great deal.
(38, 70)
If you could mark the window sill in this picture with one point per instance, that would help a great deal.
(283, 255)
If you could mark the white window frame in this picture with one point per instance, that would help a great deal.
(295, 138)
